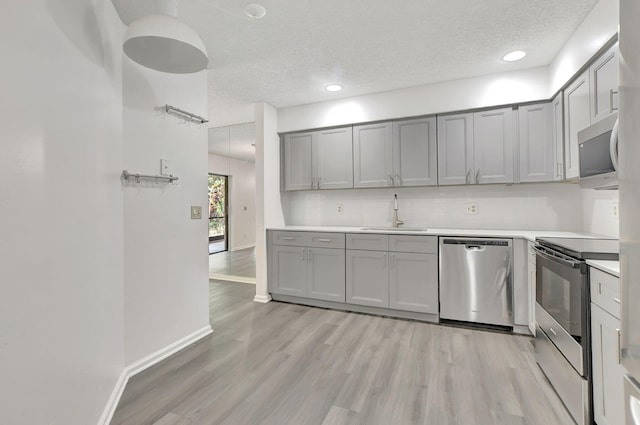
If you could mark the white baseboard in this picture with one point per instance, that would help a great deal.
(231, 278)
(143, 364)
(262, 298)
(238, 248)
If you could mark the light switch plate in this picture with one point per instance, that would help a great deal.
(165, 167)
(196, 212)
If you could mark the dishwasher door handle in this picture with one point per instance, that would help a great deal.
(474, 248)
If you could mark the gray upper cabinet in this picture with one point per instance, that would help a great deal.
(493, 142)
(537, 149)
(577, 117)
(557, 105)
(296, 158)
(373, 155)
(415, 160)
(455, 148)
(332, 158)
(318, 160)
(604, 84)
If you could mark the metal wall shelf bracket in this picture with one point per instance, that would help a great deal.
(158, 178)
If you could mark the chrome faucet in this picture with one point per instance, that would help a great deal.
(396, 222)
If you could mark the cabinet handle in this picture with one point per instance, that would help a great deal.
(303, 254)
(559, 169)
(393, 261)
(318, 182)
(287, 239)
(466, 179)
(391, 182)
(477, 176)
(324, 240)
(600, 288)
(619, 346)
(399, 182)
(553, 332)
(616, 300)
(611, 93)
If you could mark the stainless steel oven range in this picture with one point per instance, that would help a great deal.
(563, 334)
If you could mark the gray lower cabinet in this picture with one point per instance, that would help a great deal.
(413, 282)
(393, 279)
(326, 274)
(307, 265)
(367, 278)
(289, 270)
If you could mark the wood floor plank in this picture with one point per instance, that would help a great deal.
(282, 364)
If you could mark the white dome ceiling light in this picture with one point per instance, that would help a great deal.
(164, 43)
(334, 87)
(255, 11)
(516, 55)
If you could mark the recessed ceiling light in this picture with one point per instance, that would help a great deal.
(255, 11)
(334, 87)
(516, 55)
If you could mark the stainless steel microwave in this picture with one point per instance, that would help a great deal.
(598, 154)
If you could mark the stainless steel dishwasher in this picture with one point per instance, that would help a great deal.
(476, 280)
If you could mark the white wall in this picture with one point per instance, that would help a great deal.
(488, 90)
(61, 272)
(525, 206)
(242, 198)
(599, 26)
(165, 251)
(598, 212)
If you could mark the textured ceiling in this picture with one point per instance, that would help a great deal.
(369, 46)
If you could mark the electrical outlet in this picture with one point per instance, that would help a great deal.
(471, 208)
(615, 209)
(340, 208)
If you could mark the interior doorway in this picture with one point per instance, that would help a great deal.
(218, 213)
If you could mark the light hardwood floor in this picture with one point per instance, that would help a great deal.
(285, 364)
(234, 265)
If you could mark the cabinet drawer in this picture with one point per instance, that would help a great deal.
(326, 240)
(411, 243)
(605, 291)
(280, 237)
(367, 242)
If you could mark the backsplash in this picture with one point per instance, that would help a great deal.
(548, 206)
(598, 212)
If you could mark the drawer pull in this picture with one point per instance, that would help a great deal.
(616, 300)
(325, 240)
(553, 332)
(288, 239)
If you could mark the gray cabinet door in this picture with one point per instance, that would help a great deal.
(608, 373)
(415, 158)
(296, 161)
(367, 278)
(558, 135)
(413, 282)
(604, 84)
(372, 155)
(289, 270)
(326, 274)
(577, 116)
(537, 150)
(455, 149)
(333, 158)
(493, 140)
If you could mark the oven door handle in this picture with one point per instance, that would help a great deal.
(557, 257)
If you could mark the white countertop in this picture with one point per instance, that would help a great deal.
(526, 234)
(611, 267)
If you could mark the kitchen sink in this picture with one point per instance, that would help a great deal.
(396, 229)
